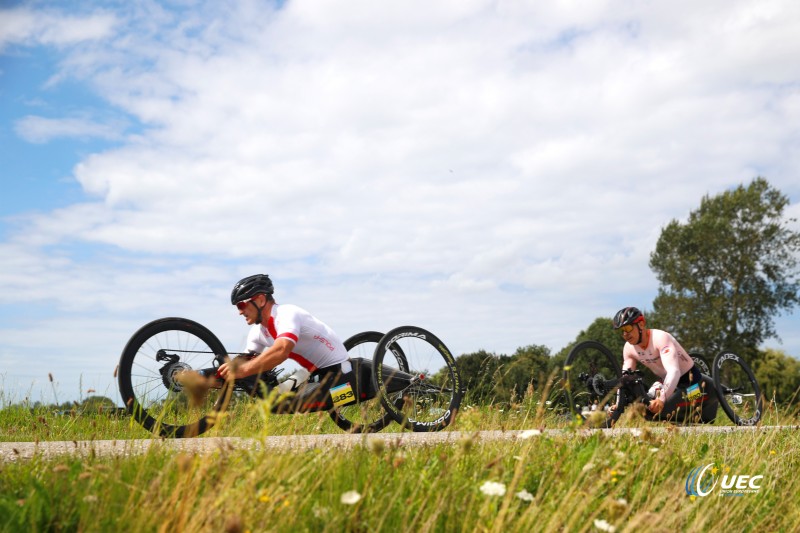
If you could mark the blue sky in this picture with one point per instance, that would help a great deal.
(497, 172)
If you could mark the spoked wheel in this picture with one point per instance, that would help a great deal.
(739, 393)
(426, 394)
(368, 416)
(154, 387)
(591, 372)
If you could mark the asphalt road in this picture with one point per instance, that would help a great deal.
(15, 451)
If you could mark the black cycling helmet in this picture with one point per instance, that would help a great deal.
(627, 315)
(250, 286)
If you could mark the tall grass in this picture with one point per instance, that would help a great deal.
(571, 480)
(566, 481)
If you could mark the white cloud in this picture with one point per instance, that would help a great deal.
(36, 129)
(499, 172)
(28, 26)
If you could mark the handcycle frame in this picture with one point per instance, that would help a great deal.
(384, 388)
(631, 389)
(592, 374)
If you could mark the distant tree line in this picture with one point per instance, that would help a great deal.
(498, 378)
(92, 404)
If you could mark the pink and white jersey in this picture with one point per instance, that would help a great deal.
(315, 344)
(663, 355)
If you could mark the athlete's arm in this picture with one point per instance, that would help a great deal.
(628, 361)
(670, 358)
(265, 361)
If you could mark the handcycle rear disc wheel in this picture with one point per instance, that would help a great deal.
(590, 374)
(737, 388)
(426, 395)
(151, 385)
(367, 416)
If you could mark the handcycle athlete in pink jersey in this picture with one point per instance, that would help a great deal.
(280, 332)
(683, 383)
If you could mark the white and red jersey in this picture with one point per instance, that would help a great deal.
(315, 344)
(663, 355)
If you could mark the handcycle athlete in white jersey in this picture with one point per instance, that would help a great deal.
(683, 384)
(280, 332)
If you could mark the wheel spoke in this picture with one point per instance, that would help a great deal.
(414, 365)
(155, 355)
(740, 396)
(591, 373)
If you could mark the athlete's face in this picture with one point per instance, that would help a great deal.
(249, 308)
(632, 333)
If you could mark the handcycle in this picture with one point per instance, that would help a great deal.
(592, 375)
(406, 376)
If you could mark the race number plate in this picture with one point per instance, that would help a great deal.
(693, 392)
(342, 395)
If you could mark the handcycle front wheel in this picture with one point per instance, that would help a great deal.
(149, 377)
(591, 372)
(426, 394)
(367, 416)
(737, 388)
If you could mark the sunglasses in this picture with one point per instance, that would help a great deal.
(241, 305)
(627, 328)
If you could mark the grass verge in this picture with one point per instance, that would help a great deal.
(563, 482)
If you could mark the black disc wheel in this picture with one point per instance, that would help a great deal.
(367, 416)
(426, 394)
(591, 373)
(159, 380)
(739, 393)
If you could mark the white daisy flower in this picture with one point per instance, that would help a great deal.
(602, 525)
(493, 488)
(524, 495)
(350, 497)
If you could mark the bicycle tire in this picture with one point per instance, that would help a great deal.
(367, 416)
(701, 363)
(152, 358)
(426, 395)
(591, 372)
(737, 388)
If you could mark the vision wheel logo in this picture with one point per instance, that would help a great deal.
(700, 484)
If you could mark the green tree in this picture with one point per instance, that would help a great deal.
(479, 373)
(602, 331)
(529, 366)
(728, 270)
(97, 404)
(778, 375)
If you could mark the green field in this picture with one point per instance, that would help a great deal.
(566, 481)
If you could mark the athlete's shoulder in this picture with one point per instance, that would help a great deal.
(285, 309)
(628, 349)
(661, 337)
(286, 314)
(664, 341)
